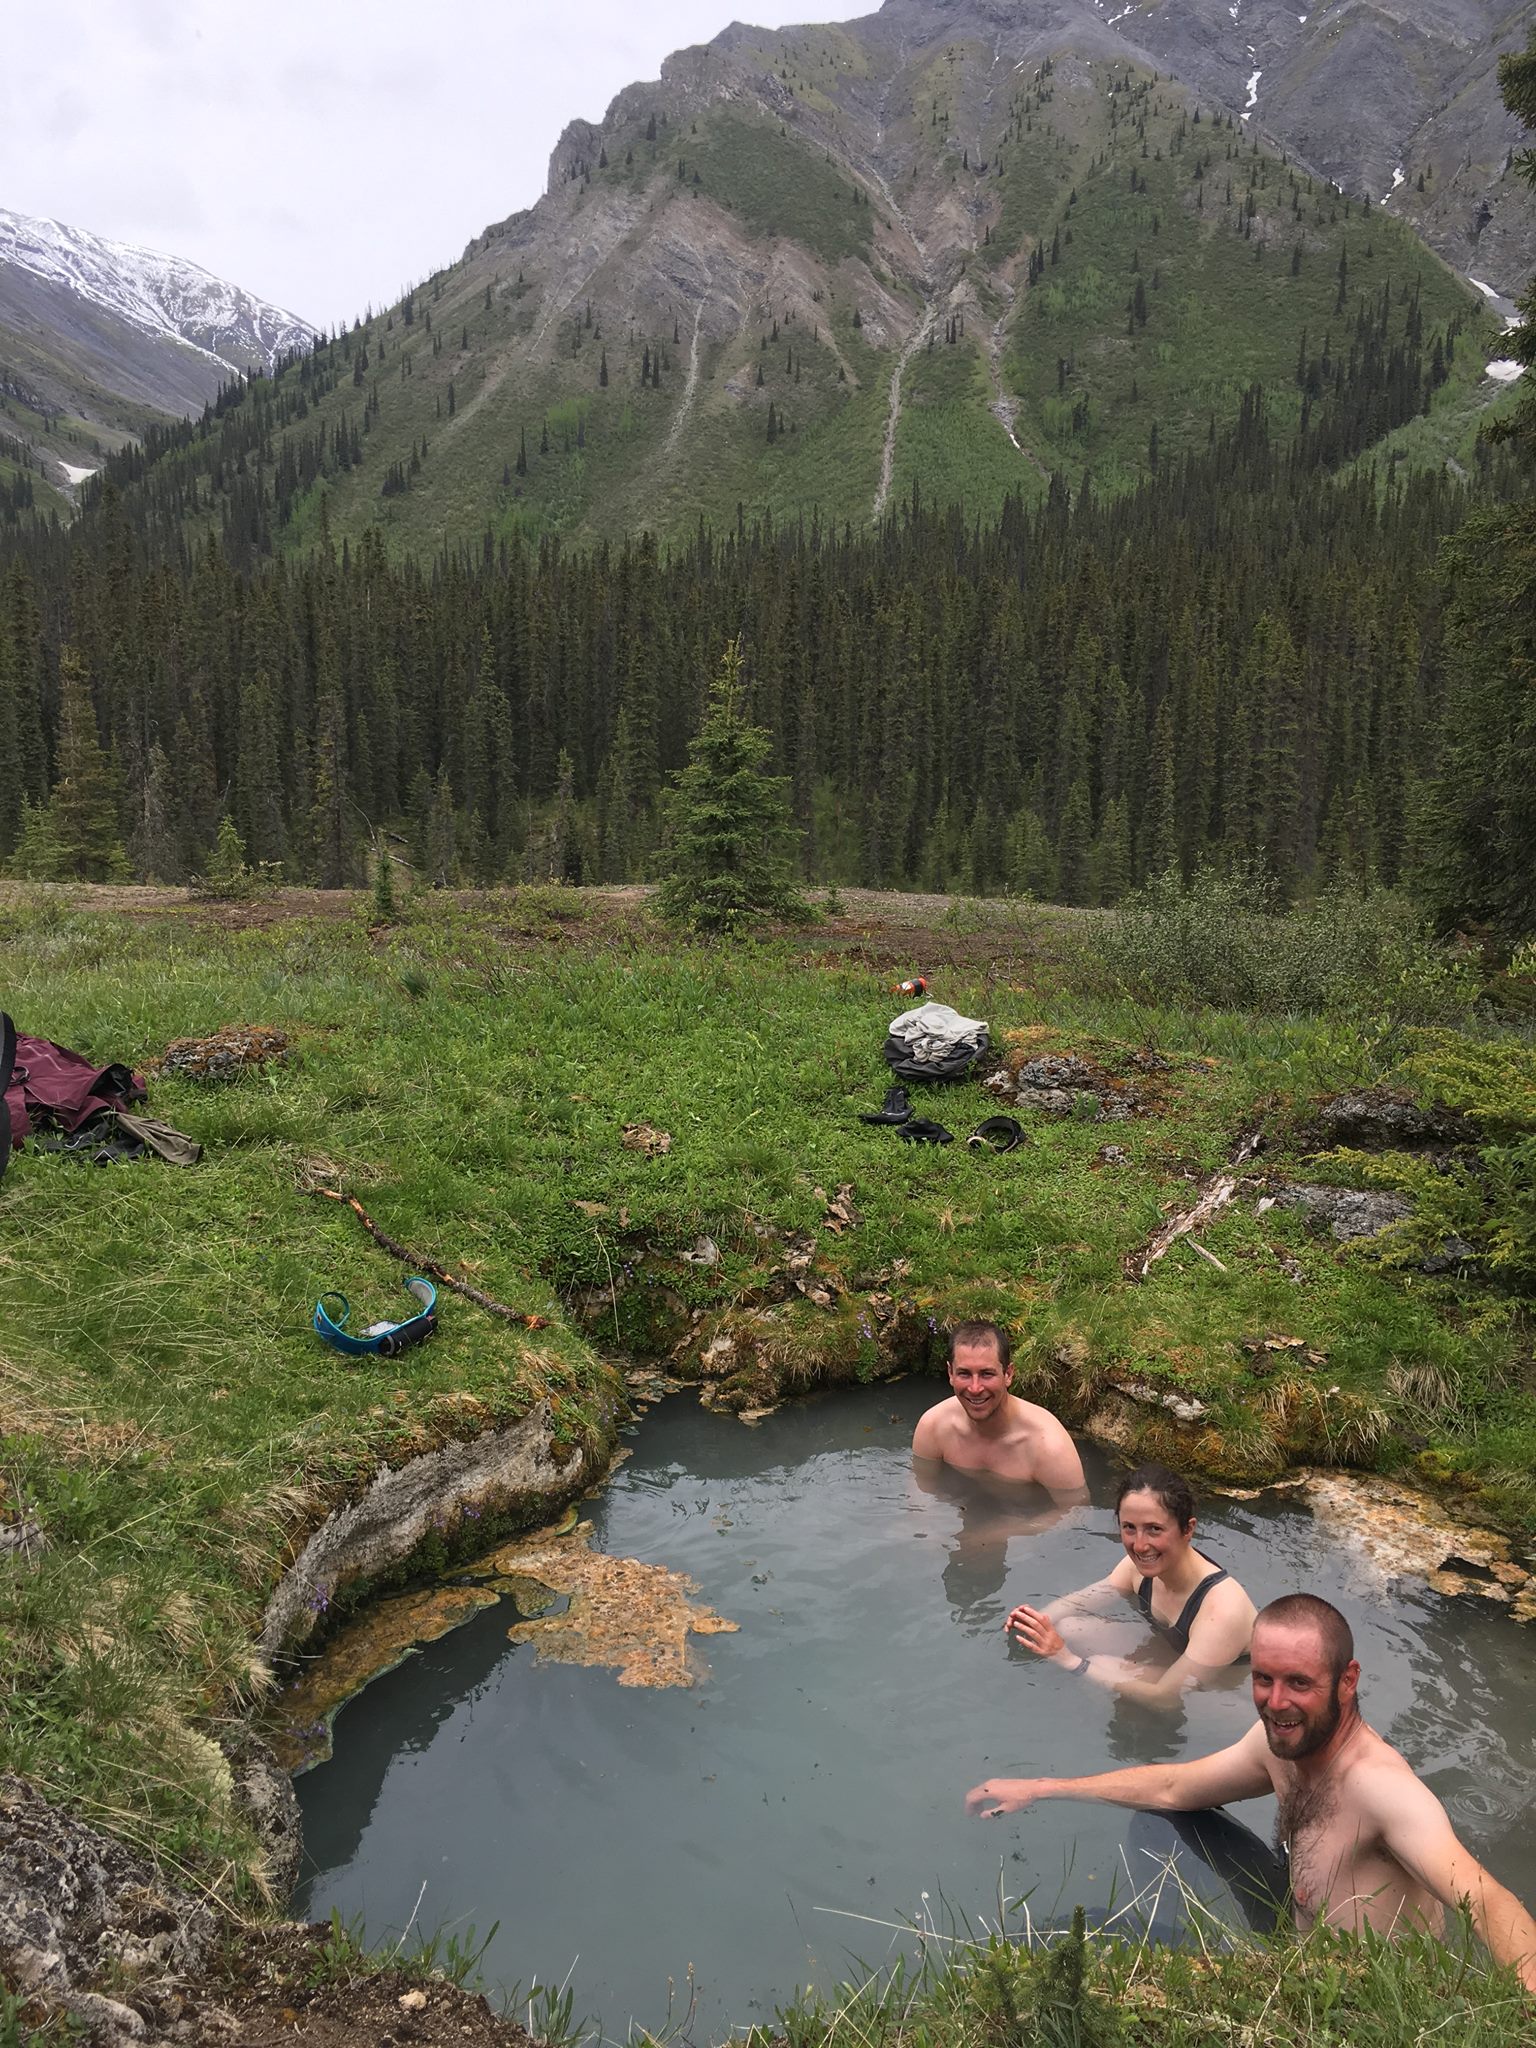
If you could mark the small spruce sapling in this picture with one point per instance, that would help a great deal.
(729, 860)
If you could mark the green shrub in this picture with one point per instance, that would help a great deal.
(1221, 939)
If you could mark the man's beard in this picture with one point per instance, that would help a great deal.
(1314, 1735)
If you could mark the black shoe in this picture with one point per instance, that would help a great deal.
(896, 1109)
(997, 1134)
(919, 1131)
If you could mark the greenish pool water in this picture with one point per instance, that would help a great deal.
(697, 1854)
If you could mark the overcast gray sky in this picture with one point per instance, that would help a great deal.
(321, 153)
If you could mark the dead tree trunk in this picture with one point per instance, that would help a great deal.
(1216, 1194)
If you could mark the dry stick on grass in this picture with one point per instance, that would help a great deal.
(1209, 1257)
(1218, 1191)
(438, 1272)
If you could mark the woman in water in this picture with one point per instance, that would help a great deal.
(1192, 1604)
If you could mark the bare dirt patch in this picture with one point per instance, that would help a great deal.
(287, 1984)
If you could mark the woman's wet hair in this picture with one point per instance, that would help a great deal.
(1175, 1493)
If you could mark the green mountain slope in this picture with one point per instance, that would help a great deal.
(54, 420)
(807, 272)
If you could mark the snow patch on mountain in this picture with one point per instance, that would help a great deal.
(1253, 94)
(74, 474)
(159, 294)
(1505, 371)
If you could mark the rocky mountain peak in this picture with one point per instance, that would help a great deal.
(160, 295)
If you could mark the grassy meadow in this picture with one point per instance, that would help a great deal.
(171, 1423)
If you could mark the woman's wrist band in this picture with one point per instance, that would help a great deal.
(1080, 1666)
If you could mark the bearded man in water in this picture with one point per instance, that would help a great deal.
(985, 1427)
(1368, 1843)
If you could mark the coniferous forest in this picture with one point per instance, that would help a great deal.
(1246, 657)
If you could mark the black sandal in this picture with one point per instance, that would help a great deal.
(896, 1109)
(998, 1134)
(921, 1132)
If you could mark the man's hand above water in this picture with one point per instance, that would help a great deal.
(1002, 1795)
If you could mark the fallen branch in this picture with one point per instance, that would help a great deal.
(438, 1272)
(1209, 1257)
(1218, 1191)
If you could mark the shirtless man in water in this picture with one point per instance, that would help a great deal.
(985, 1427)
(1369, 1844)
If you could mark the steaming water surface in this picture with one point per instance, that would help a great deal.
(769, 1827)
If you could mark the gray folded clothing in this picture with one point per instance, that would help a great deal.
(934, 1043)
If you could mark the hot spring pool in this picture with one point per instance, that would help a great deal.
(771, 1826)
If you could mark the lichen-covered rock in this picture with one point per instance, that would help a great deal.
(264, 1791)
(226, 1055)
(22, 1540)
(75, 1904)
(500, 1473)
(1056, 1071)
(1380, 1120)
(1182, 1407)
(1454, 1255)
(1117, 1109)
(1048, 1101)
(1348, 1212)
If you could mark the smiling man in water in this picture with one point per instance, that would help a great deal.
(985, 1427)
(1369, 1845)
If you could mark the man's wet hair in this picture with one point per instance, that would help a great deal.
(981, 1333)
(1306, 1610)
(1165, 1486)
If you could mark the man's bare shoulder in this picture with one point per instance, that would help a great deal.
(1038, 1421)
(1378, 1776)
(936, 1427)
(1053, 1455)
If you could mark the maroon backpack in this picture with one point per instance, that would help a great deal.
(7, 1066)
(48, 1087)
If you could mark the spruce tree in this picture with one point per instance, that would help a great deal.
(385, 907)
(229, 874)
(84, 804)
(441, 835)
(1074, 845)
(1482, 812)
(730, 857)
(332, 831)
(1158, 837)
(38, 855)
(1112, 854)
(151, 845)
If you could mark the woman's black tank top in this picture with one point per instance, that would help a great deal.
(1177, 1632)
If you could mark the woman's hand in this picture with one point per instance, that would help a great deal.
(1036, 1631)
